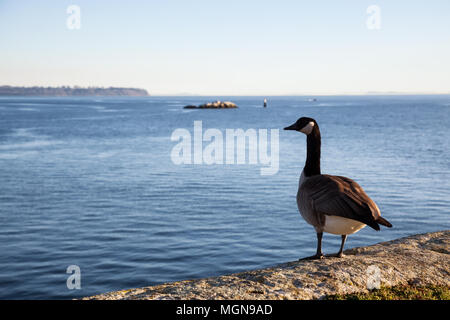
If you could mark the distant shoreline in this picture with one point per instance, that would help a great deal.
(66, 91)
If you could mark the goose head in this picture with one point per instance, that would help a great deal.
(304, 125)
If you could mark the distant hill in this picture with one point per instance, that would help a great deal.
(70, 91)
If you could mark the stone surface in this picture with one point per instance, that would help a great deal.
(419, 259)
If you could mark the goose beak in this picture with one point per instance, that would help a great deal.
(291, 127)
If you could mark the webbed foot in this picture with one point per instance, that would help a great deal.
(335, 255)
(314, 257)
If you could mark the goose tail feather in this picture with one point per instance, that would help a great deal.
(384, 222)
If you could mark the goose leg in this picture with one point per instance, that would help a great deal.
(340, 254)
(318, 254)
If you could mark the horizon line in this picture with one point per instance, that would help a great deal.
(300, 94)
(189, 94)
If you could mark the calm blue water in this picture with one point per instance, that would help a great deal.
(90, 182)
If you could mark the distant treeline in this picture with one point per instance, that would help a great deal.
(70, 91)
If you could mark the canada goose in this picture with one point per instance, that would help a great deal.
(332, 204)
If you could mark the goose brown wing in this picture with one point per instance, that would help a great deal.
(341, 196)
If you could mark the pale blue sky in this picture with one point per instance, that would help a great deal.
(228, 47)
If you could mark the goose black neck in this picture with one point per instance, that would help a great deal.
(313, 141)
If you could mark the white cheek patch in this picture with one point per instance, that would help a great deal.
(308, 128)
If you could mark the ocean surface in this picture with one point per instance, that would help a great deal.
(90, 182)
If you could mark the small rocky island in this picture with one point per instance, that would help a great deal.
(418, 260)
(214, 105)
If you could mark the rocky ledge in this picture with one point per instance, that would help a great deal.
(214, 105)
(419, 260)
